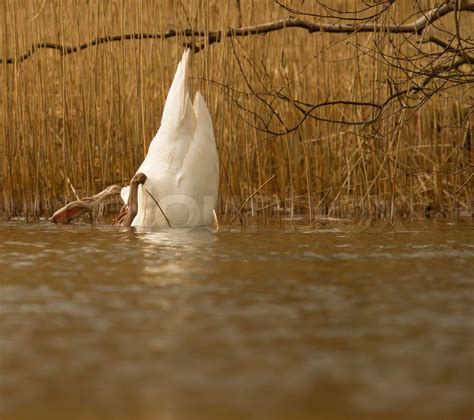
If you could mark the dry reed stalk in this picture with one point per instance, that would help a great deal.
(83, 121)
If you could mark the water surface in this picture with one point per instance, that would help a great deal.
(99, 322)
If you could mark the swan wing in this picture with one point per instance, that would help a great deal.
(199, 177)
(203, 147)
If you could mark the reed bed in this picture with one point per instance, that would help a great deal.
(70, 125)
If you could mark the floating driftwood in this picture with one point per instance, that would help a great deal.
(110, 195)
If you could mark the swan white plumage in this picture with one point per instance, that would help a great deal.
(181, 166)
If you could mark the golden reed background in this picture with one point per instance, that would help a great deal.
(77, 123)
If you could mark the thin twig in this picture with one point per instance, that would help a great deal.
(464, 184)
(156, 202)
(250, 197)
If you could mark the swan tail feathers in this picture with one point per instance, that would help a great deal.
(177, 103)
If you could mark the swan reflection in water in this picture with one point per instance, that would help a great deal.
(174, 256)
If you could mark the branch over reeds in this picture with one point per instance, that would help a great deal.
(208, 38)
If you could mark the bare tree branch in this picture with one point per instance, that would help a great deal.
(467, 58)
(212, 37)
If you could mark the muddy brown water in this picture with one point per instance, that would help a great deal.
(99, 322)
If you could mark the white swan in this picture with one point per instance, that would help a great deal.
(177, 183)
(181, 166)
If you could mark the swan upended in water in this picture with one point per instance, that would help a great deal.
(177, 183)
(181, 166)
